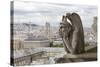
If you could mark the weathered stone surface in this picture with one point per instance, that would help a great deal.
(83, 55)
(91, 48)
(72, 33)
(65, 33)
(89, 55)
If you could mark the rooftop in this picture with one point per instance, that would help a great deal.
(34, 38)
(26, 52)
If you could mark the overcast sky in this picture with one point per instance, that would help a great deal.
(39, 13)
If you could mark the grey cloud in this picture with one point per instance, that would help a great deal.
(54, 10)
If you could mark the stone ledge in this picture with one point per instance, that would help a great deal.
(83, 55)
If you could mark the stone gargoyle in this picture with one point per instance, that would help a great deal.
(72, 33)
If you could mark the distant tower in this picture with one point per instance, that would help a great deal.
(29, 31)
(94, 27)
(48, 31)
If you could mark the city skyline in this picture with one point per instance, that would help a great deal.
(40, 13)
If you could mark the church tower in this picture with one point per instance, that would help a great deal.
(48, 31)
